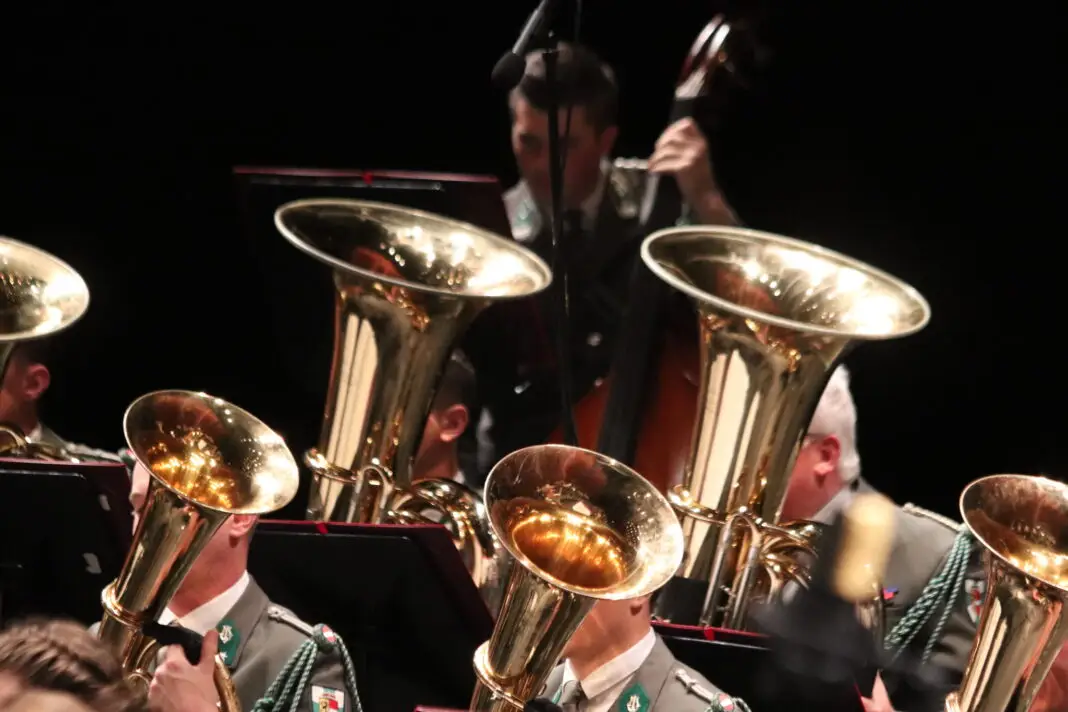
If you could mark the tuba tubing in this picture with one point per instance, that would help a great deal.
(776, 315)
(580, 528)
(208, 460)
(1021, 522)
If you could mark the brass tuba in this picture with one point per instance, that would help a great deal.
(580, 527)
(1022, 523)
(409, 283)
(775, 315)
(40, 296)
(208, 460)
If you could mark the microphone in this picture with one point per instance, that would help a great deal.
(510, 67)
(541, 704)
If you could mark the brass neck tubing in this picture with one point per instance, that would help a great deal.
(170, 535)
(513, 666)
(391, 345)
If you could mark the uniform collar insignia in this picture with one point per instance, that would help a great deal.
(229, 641)
(633, 699)
(889, 594)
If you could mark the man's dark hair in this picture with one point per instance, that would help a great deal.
(458, 385)
(582, 80)
(65, 657)
(36, 351)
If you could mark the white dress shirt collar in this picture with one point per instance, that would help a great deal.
(209, 615)
(604, 685)
(34, 436)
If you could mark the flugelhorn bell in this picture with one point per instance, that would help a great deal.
(776, 315)
(409, 283)
(208, 460)
(581, 527)
(1021, 521)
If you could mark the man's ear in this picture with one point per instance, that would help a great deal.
(830, 451)
(241, 525)
(35, 381)
(452, 422)
(637, 605)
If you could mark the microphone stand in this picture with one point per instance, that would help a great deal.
(538, 27)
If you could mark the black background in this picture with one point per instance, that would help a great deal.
(923, 139)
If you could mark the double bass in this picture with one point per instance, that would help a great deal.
(643, 412)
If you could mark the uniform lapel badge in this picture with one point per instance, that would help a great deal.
(633, 699)
(327, 699)
(889, 594)
(974, 590)
(229, 639)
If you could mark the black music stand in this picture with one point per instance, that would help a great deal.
(65, 529)
(399, 596)
(733, 661)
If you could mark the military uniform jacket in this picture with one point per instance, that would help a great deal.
(257, 639)
(512, 345)
(661, 684)
(50, 438)
(922, 545)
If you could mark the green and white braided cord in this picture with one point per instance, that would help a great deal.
(287, 690)
(940, 594)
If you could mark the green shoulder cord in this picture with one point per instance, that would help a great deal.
(940, 595)
(287, 690)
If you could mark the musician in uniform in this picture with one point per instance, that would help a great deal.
(616, 662)
(25, 381)
(257, 639)
(602, 202)
(934, 582)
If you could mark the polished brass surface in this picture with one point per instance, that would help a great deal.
(409, 283)
(580, 527)
(460, 510)
(1022, 523)
(208, 460)
(776, 315)
(40, 296)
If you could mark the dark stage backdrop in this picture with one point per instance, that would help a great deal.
(919, 140)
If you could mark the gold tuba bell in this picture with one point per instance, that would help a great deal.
(409, 283)
(775, 315)
(1022, 523)
(580, 527)
(208, 460)
(40, 296)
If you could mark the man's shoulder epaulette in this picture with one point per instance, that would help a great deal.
(933, 516)
(77, 450)
(284, 615)
(627, 185)
(717, 701)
